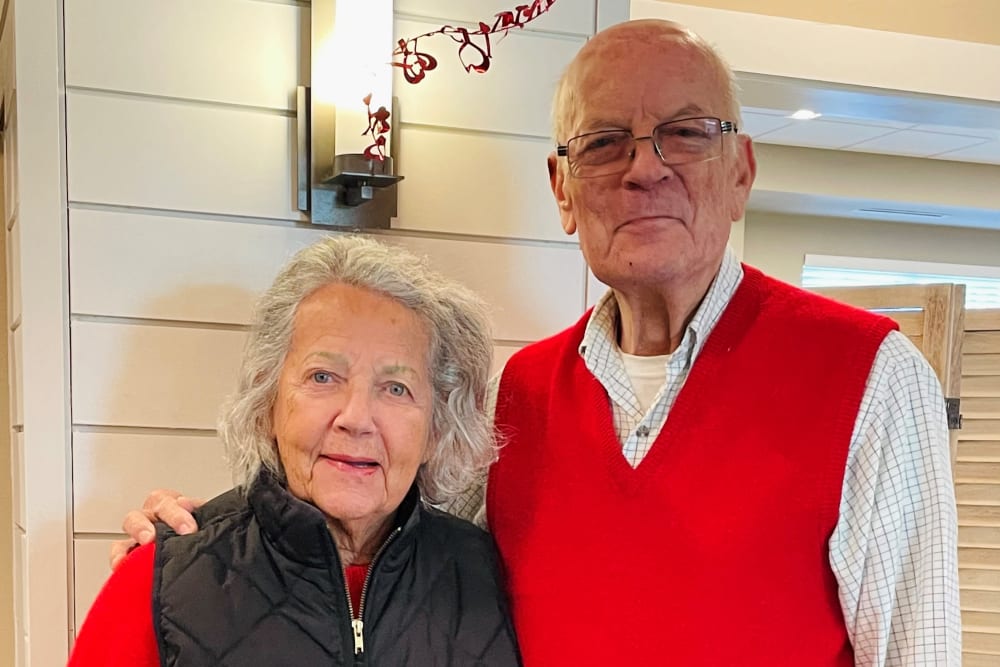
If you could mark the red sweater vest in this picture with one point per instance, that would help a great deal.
(713, 551)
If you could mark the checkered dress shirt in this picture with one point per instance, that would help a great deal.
(894, 549)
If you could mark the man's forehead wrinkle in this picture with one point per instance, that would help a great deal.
(600, 104)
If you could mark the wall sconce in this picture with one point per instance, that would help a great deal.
(345, 165)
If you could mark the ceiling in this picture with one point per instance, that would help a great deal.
(876, 121)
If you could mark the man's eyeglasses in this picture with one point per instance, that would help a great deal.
(608, 152)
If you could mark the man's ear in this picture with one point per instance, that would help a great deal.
(744, 173)
(557, 180)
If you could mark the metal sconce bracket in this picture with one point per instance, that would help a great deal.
(359, 177)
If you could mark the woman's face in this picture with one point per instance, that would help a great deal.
(352, 417)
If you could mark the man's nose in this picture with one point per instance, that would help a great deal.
(646, 166)
(355, 412)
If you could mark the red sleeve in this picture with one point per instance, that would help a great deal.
(118, 631)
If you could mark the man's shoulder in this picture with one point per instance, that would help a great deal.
(809, 308)
(442, 523)
(457, 537)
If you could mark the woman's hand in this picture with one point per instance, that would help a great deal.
(164, 505)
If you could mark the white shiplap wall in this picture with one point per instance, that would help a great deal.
(36, 225)
(180, 153)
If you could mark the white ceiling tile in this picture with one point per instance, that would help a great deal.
(985, 133)
(868, 120)
(988, 152)
(757, 125)
(916, 143)
(763, 111)
(822, 133)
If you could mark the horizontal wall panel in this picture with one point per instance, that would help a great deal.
(981, 621)
(514, 96)
(977, 472)
(982, 319)
(17, 479)
(91, 560)
(534, 291)
(981, 364)
(202, 270)
(978, 660)
(978, 494)
(982, 580)
(232, 51)
(14, 273)
(988, 601)
(113, 473)
(979, 536)
(981, 385)
(910, 324)
(981, 342)
(981, 408)
(476, 184)
(211, 270)
(571, 16)
(138, 375)
(980, 429)
(987, 451)
(17, 382)
(986, 559)
(174, 155)
(971, 515)
(980, 642)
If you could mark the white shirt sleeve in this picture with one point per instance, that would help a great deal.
(894, 549)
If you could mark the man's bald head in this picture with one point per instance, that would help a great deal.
(617, 44)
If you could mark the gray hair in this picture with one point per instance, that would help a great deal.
(461, 350)
(567, 94)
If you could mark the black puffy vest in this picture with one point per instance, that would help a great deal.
(261, 585)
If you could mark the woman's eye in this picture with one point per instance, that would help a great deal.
(322, 377)
(397, 389)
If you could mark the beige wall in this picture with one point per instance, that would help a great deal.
(965, 20)
(6, 466)
(778, 244)
(7, 527)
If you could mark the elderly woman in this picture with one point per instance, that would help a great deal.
(359, 404)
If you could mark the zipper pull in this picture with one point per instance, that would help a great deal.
(359, 640)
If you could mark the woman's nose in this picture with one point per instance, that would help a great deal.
(354, 414)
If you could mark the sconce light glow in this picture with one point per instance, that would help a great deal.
(360, 56)
(805, 114)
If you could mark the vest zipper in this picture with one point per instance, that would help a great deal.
(357, 624)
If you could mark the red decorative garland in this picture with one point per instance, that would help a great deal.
(415, 64)
(378, 127)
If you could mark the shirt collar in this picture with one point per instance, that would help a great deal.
(600, 342)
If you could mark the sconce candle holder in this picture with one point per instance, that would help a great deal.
(358, 177)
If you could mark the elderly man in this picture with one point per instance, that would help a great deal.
(711, 467)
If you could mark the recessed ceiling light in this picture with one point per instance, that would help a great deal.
(805, 114)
